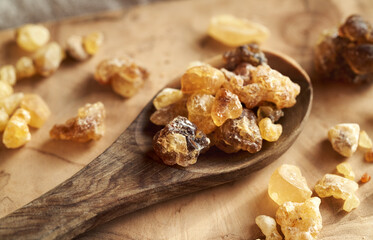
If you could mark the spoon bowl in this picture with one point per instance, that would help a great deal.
(125, 177)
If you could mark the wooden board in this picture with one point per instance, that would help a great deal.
(165, 37)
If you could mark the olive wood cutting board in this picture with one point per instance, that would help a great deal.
(164, 37)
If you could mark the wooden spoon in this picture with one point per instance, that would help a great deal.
(125, 178)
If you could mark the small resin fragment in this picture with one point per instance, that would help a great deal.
(225, 106)
(11, 103)
(250, 53)
(166, 114)
(288, 184)
(346, 170)
(38, 109)
(239, 134)
(74, 47)
(25, 68)
(365, 142)
(8, 74)
(4, 117)
(356, 29)
(180, 142)
(365, 178)
(203, 78)
(17, 133)
(269, 131)
(88, 125)
(301, 221)
(124, 75)
(31, 37)
(167, 97)
(269, 111)
(48, 59)
(5, 90)
(92, 42)
(234, 31)
(369, 156)
(199, 107)
(344, 138)
(339, 187)
(268, 227)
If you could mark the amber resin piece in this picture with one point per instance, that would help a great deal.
(288, 184)
(180, 142)
(38, 109)
(356, 29)
(11, 103)
(369, 156)
(75, 49)
(5, 90)
(269, 131)
(346, 170)
(25, 68)
(344, 138)
(8, 74)
(250, 53)
(202, 78)
(166, 114)
(167, 97)
(225, 106)
(233, 31)
(48, 59)
(199, 107)
(92, 42)
(124, 75)
(339, 187)
(88, 125)
(31, 37)
(269, 111)
(17, 133)
(268, 227)
(365, 178)
(365, 142)
(4, 117)
(239, 134)
(300, 220)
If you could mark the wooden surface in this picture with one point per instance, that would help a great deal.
(165, 38)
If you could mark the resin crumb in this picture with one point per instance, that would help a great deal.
(268, 227)
(344, 138)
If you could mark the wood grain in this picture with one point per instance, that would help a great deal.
(160, 44)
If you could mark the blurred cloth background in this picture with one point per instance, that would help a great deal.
(17, 12)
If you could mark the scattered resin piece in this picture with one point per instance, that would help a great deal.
(369, 156)
(31, 37)
(269, 111)
(239, 134)
(124, 75)
(339, 187)
(38, 109)
(346, 170)
(269, 131)
(203, 78)
(225, 106)
(92, 42)
(199, 107)
(167, 97)
(250, 53)
(5, 90)
(268, 227)
(165, 115)
(4, 117)
(365, 178)
(347, 55)
(11, 103)
(17, 133)
(344, 138)
(234, 32)
(180, 142)
(88, 125)
(300, 220)
(288, 184)
(365, 142)
(75, 49)
(8, 74)
(25, 68)
(48, 59)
